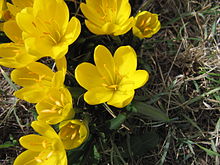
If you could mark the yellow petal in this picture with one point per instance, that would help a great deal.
(125, 60)
(39, 47)
(34, 142)
(94, 28)
(13, 9)
(44, 129)
(110, 28)
(61, 64)
(104, 61)
(97, 95)
(91, 13)
(23, 3)
(52, 9)
(72, 32)
(140, 77)
(124, 11)
(25, 21)
(12, 31)
(26, 157)
(31, 94)
(58, 79)
(88, 76)
(32, 74)
(125, 27)
(121, 99)
(14, 55)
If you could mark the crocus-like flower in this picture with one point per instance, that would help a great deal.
(46, 148)
(113, 79)
(8, 11)
(18, 5)
(107, 17)
(56, 106)
(73, 133)
(14, 54)
(4, 13)
(46, 28)
(37, 79)
(146, 25)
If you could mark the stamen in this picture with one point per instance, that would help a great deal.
(44, 144)
(49, 155)
(38, 160)
(58, 103)
(33, 79)
(62, 98)
(109, 74)
(49, 111)
(113, 87)
(73, 135)
(34, 24)
(60, 112)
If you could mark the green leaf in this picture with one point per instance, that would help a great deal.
(115, 123)
(208, 151)
(8, 144)
(149, 111)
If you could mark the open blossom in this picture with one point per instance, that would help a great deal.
(107, 17)
(46, 148)
(8, 11)
(4, 13)
(46, 28)
(14, 54)
(73, 133)
(37, 78)
(56, 106)
(111, 79)
(146, 24)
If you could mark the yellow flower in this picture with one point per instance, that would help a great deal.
(56, 106)
(46, 28)
(113, 79)
(8, 11)
(37, 79)
(146, 25)
(4, 13)
(13, 54)
(46, 148)
(107, 17)
(18, 5)
(73, 133)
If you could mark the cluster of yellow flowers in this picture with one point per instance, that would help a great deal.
(39, 28)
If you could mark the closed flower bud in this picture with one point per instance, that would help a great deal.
(73, 133)
(146, 24)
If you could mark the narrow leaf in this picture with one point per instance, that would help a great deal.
(149, 111)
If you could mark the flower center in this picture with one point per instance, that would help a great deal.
(108, 11)
(57, 105)
(48, 29)
(70, 131)
(112, 78)
(144, 25)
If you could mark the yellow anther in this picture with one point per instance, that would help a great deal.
(48, 111)
(112, 87)
(60, 112)
(34, 24)
(38, 160)
(58, 103)
(49, 155)
(73, 135)
(44, 144)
